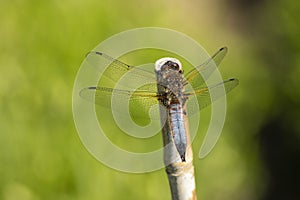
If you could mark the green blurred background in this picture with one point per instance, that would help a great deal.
(43, 44)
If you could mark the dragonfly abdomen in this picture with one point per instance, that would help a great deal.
(176, 117)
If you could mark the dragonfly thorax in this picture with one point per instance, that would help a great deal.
(170, 85)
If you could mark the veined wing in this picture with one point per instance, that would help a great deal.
(112, 70)
(138, 102)
(206, 95)
(195, 79)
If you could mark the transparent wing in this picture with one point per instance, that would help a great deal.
(113, 70)
(194, 77)
(138, 102)
(206, 95)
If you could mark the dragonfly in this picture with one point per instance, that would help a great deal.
(169, 86)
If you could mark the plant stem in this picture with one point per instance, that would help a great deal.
(180, 174)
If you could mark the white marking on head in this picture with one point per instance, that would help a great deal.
(159, 63)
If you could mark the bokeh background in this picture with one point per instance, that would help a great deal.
(42, 45)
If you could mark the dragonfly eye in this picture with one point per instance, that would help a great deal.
(175, 66)
(172, 65)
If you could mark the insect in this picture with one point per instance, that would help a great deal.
(169, 87)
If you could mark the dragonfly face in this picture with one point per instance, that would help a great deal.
(166, 86)
(165, 64)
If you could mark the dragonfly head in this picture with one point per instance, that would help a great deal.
(164, 64)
